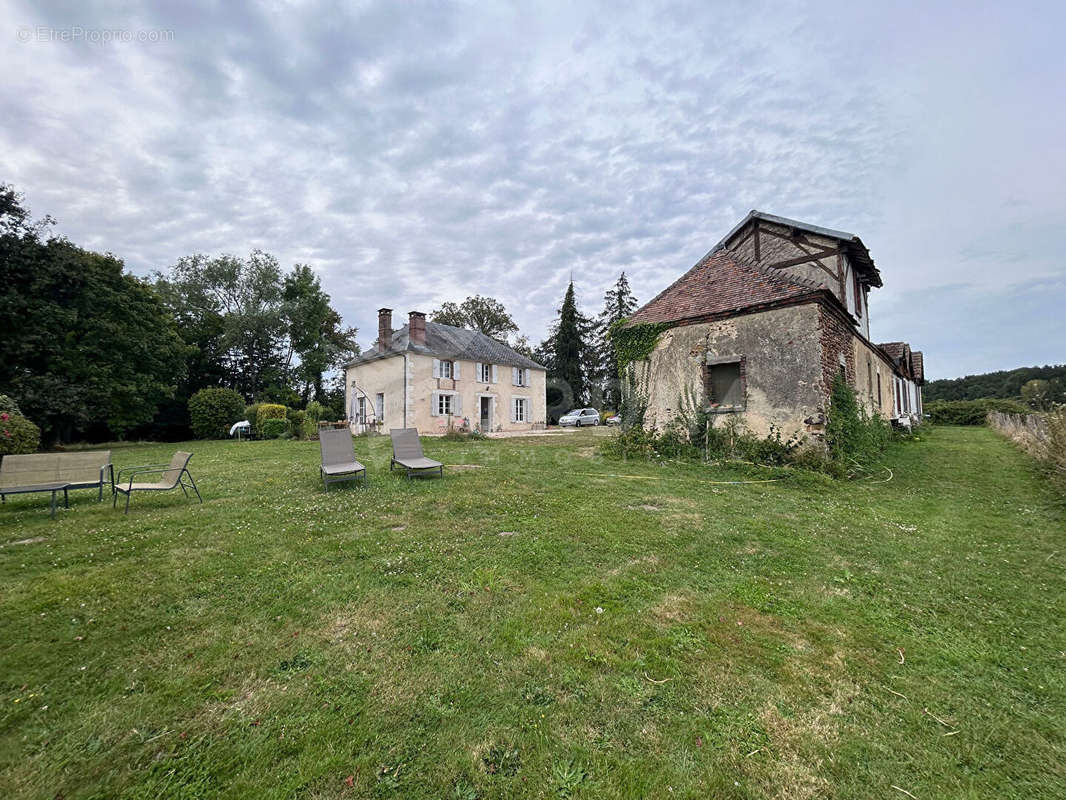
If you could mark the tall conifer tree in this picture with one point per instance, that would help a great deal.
(618, 303)
(567, 348)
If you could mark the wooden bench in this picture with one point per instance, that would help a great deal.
(88, 469)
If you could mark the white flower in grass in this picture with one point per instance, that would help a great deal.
(599, 610)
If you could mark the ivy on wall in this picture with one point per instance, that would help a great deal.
(635, 342)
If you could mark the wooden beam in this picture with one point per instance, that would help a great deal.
(791, 262)
(758, 257)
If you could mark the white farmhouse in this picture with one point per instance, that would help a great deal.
(434, 377)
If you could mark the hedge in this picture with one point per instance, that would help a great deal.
(274, 427)
(212, 412)
(18, 435)
(970, 412)
(268, 411)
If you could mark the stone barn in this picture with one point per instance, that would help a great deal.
(760, 326)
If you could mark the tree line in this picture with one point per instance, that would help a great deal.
(1038, 387)
(89, 351)
(92, 352)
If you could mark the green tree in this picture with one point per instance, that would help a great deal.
(316, 333)
(84, 344)
(618, 304)
(477, 313)
(236, 307)
(567, 349)
(1037, 394)
(266, 334)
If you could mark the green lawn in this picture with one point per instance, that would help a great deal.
(641, 630)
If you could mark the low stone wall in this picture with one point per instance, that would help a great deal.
(1042, 436)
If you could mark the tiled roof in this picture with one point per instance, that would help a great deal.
(446, 341)
(894, 350)
(720, 283)
(897, 352)
(919, 365)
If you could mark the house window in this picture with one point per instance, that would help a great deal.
(447, 369)
(724, 385)
(858, 296)
(379, 406)
(445, 405)
(878, 388)
(519, 376)
(484, 373)
(521, 409)
(360, 409)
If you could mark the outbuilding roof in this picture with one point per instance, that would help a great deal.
(720, 283)
(447, 341)
(857, 252)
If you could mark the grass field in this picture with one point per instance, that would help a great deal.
(541, 623)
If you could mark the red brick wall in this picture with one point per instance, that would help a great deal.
(835, 336)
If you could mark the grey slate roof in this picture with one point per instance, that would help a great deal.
(446, 341)
(857, 251)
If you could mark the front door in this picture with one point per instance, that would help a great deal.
(486, 414)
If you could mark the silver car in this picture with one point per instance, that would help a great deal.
(579, 417)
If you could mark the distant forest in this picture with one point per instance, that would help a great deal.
(1005, 384)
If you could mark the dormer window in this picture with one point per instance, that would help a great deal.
(858, 296)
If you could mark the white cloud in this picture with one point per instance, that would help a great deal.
(421, 153)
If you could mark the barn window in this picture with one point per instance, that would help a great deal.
(724, 384)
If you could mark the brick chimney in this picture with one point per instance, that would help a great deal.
(384, 328)
(416, 327)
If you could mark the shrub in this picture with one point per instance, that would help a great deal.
(8, 405)
(970, 412)
(455, 435)
(315, 411)
(251, 413)
(18, 435)
(631, 441)
(310, 429)
(274, 428)
(296, 421)
(268, 411)
(213, 411)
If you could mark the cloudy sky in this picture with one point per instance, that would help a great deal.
(414, 153)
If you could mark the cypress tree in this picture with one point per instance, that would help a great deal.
(569, 349)
(618, 303)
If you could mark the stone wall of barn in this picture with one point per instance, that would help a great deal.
(784, 374)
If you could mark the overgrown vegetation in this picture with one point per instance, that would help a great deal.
(642, 627)
(635, 342)
(854, 439)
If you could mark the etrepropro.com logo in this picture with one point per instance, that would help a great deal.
(76, 33)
